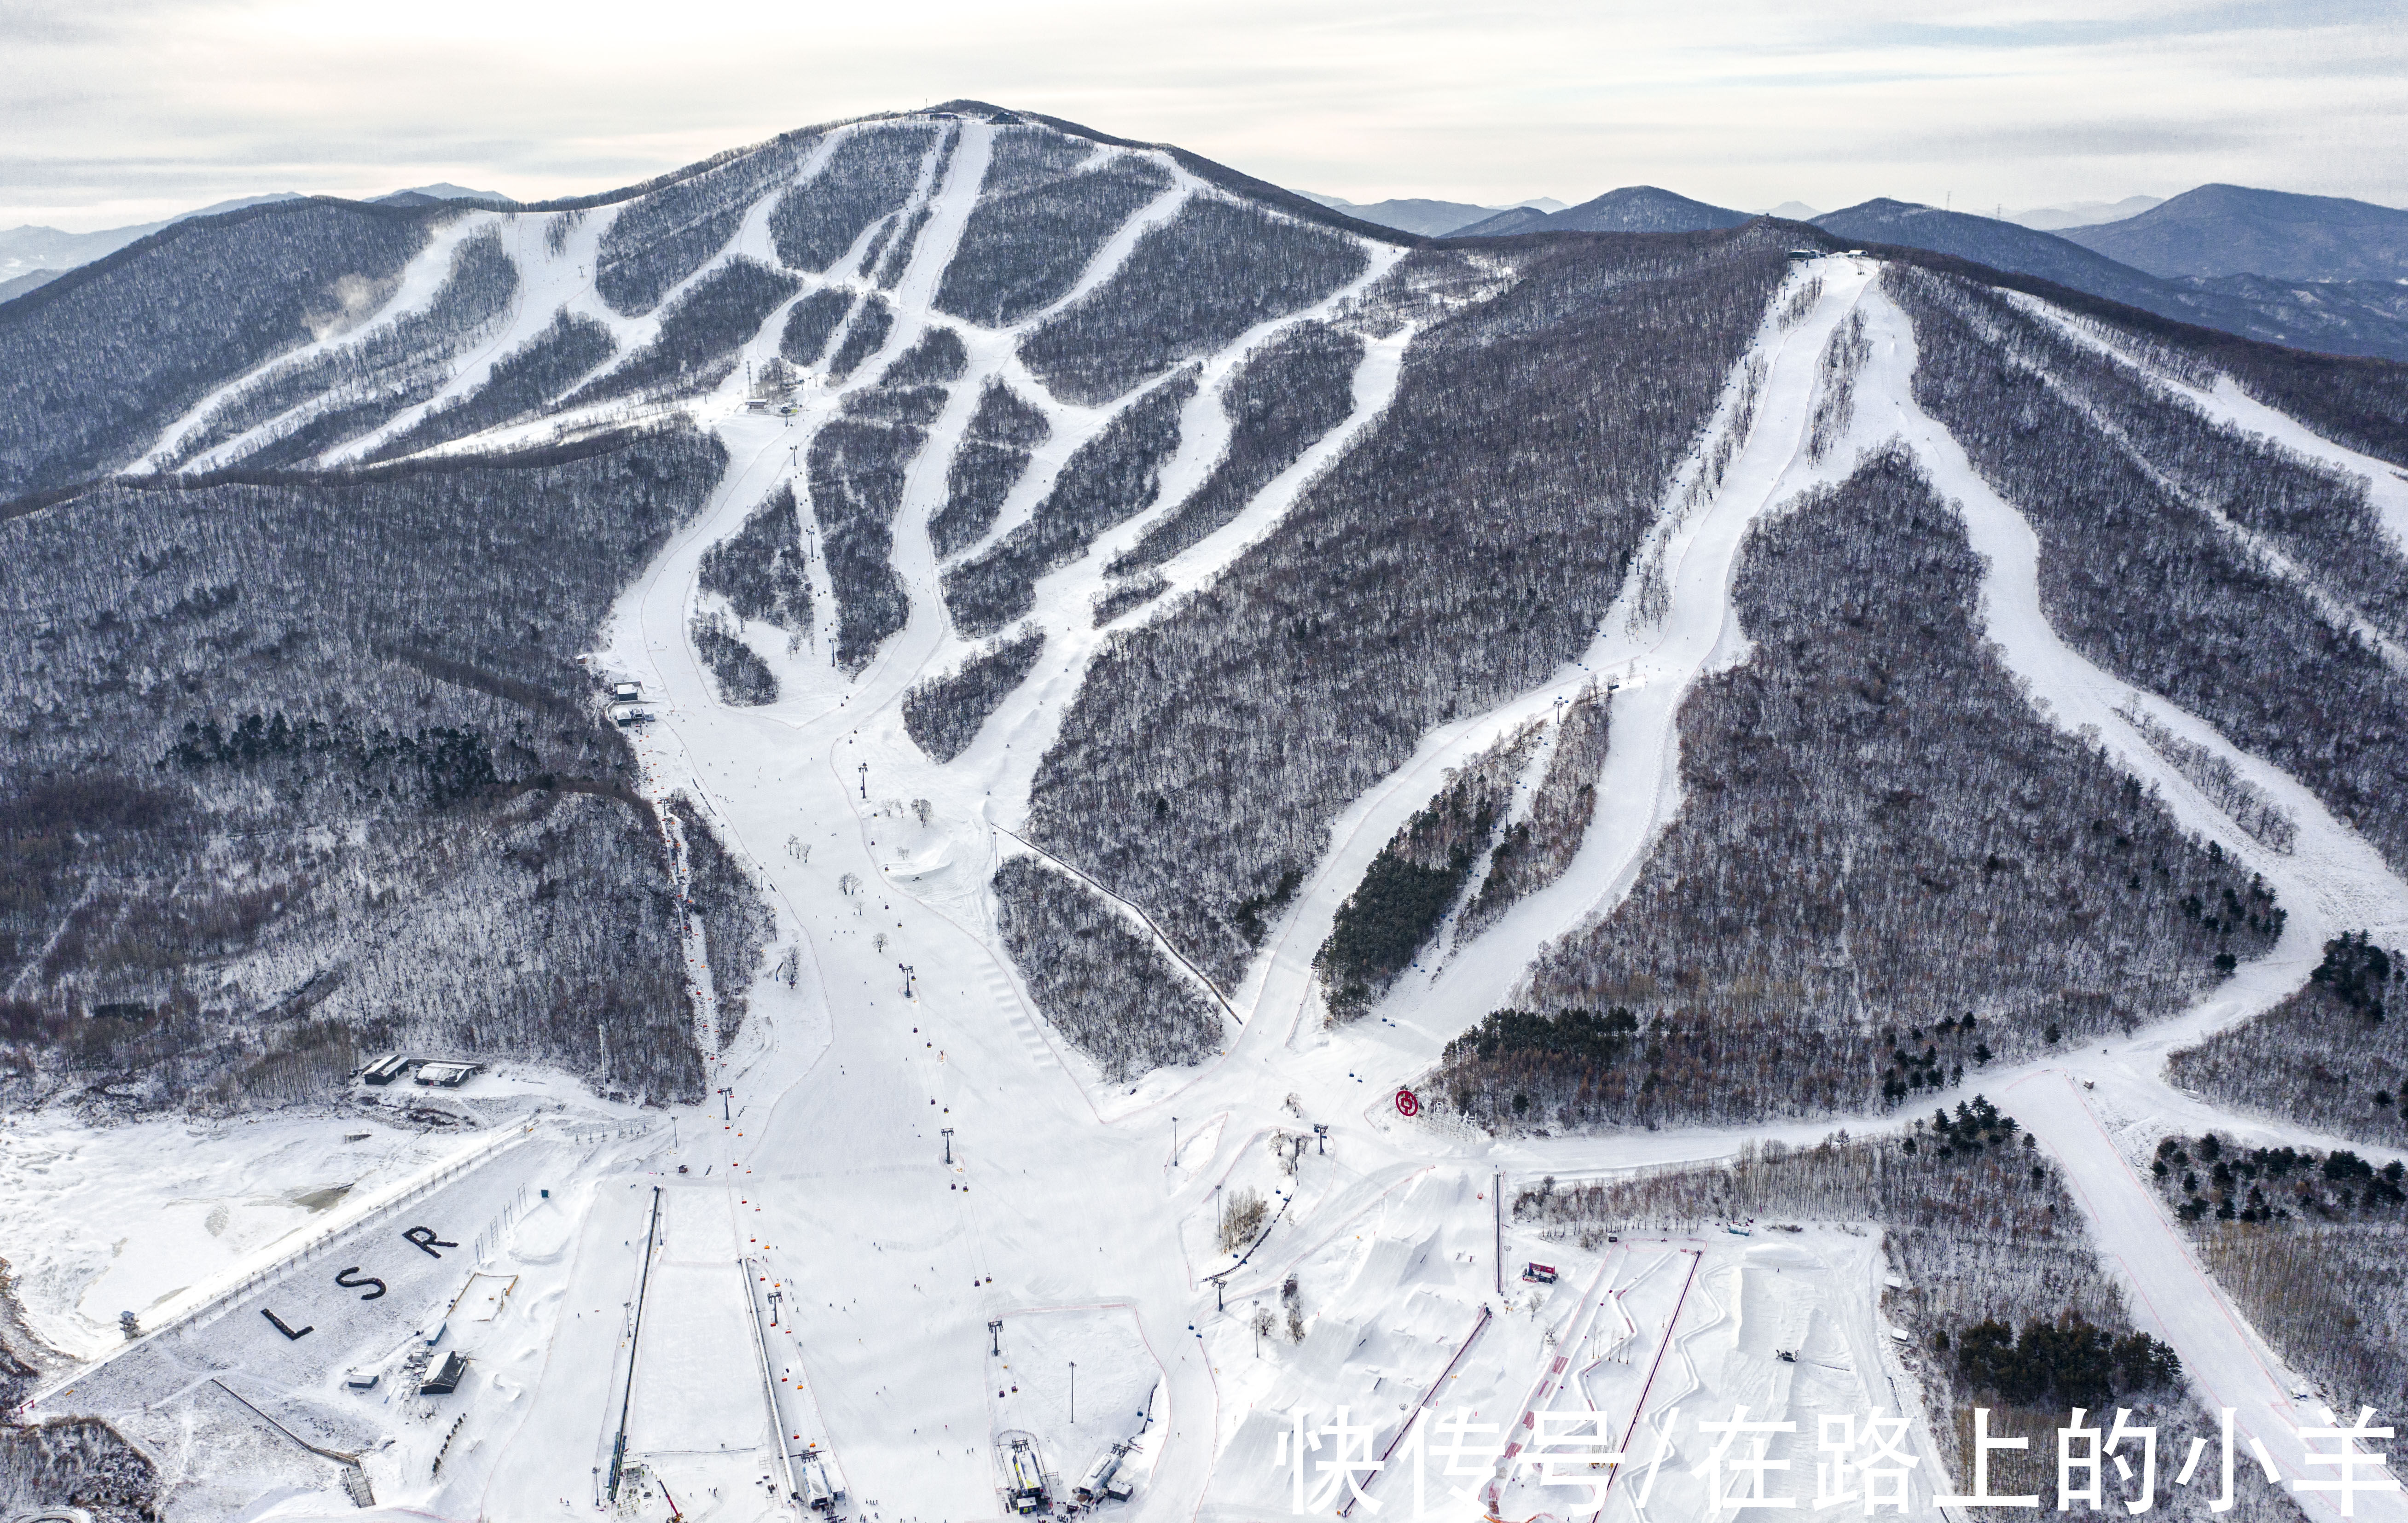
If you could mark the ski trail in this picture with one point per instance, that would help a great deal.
(420, 281)
(1766, 408)
(1016, 737)
(2331, 880)
(2386, 485)
(2334, 609)
(550, 282)
(1159, 212)
(2173, 1296)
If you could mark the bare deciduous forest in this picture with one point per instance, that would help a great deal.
(1533, 852)
(1887, 870)
(659, 240)
(522, 383)
(2143, 583)
(737, 924)
(812, 322)
(857, 464)
(2314, 1249)
(1104, 985)
(256, 834)
(739, 674)
(398, 365)
(2333, 1055)
(170, 318)
(700, 333)
(1039, 224)
(991, 459)
(759, 568)
(944, 713)
(869, 175)
(1467, 546)
(1189, 287)
(1114, 477)
(1280, 403)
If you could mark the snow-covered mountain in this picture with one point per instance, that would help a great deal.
(1410, 827)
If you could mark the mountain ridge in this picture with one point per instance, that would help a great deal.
(2225, 230)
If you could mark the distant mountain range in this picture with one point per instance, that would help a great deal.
(2082, 213)
(1634, 209)
(32, 256)
(2342, 316)
(1431, 219)
(24, 250)
(2313, 271)
(2223, 230)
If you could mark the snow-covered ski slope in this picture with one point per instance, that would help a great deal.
(905, 1151)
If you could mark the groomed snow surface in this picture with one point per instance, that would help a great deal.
(912, 1240)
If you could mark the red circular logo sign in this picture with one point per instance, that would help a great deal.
(1408, 1104)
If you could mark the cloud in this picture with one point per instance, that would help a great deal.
(1744, 103)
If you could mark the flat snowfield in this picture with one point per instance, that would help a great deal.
(915, 1249)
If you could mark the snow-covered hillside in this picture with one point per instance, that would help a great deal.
(1078, 602)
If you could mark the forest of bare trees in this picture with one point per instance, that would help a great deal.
(2312, 1247)
(1888, 871)
(169, 319)
(1189, 287)
(759, 568)
(2333, 1055)
(1280, 403)
(1467, 546)
(944, 713)
(1112, 478)
(1102, 984)
(989, 460)
(1038, 223)
(1417, 878)
(2144, 582)
(1533, 852)
(364, 795)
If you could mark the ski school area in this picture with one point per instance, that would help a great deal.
(582, 1309)
(549, 1319)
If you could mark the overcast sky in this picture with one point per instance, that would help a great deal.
(119, 112)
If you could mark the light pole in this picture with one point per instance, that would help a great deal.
(1074, 1391)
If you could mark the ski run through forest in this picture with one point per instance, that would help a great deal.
(962, 1214)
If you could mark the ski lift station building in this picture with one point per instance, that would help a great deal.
(1103, 1481)
(1024, 1477)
